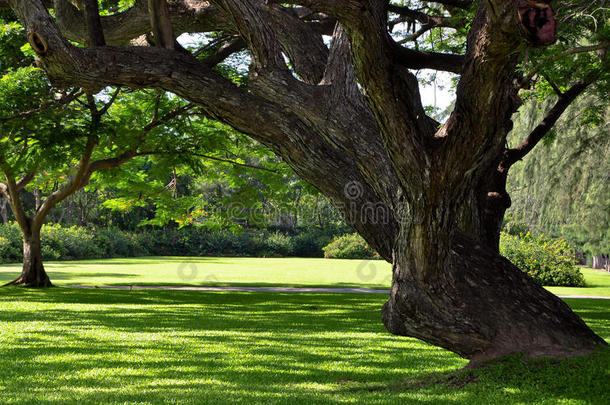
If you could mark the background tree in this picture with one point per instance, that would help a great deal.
(562, 190)
(56, 151)
(348, 118)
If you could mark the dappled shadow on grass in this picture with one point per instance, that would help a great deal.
(596, 313)
(514, 380)
(219, 347)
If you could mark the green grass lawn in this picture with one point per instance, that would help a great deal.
(216, 271)
(67, 345)
(243, 271)
(597, 283)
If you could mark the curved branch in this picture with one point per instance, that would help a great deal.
(428, 22)
(11, 191)
(224, 52)
(511, 156)
(121, 28)
(72, 186)
(25, 180)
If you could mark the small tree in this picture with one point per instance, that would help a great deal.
(57, 151)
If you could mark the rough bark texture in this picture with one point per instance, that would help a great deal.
(3, 209)
(349, 119)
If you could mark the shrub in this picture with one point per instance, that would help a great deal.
(11, 244)
(69, 243)
(311, 242)
(351, 246)
(279, 244)
(112, 242)
(549, 262)
(8, 251)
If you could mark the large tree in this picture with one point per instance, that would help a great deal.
(348, 118)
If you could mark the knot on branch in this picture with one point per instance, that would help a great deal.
(537, 22)
(38, 43)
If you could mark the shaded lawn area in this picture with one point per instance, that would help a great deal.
(91, 346)
(245, 271)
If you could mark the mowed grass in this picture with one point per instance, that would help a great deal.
(597, 283)
(244, 271)
(74, 346)
(216, 271)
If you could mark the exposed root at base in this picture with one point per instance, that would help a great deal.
(22, 283)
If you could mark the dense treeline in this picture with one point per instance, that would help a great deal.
(562, 190)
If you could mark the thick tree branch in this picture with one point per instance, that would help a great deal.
(121, 28)
(303, 46)
(12, 195)
(272, 121)
(413, 59)
(269, 75)
(25, 180)
(108, 163)
(224, 52)
(161, 25)
(93, 22)
(486, 96)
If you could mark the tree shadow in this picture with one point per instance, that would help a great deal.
(219, 347)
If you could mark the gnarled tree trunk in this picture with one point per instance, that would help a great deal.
(480, 305)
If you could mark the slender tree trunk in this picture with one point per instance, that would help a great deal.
(33, 273)
(3, 209)
(600, 262)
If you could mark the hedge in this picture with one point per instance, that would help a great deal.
(76, 243)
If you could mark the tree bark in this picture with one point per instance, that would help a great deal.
(480, 306)
(600, 262)
(33, 273)
(3, 209)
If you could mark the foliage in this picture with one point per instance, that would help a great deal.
(74, 242)
(11, 245)
(310, 242)
(551, 262)
(562, 189)
(351, 246)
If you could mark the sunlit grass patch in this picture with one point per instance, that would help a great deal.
(99, 346)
